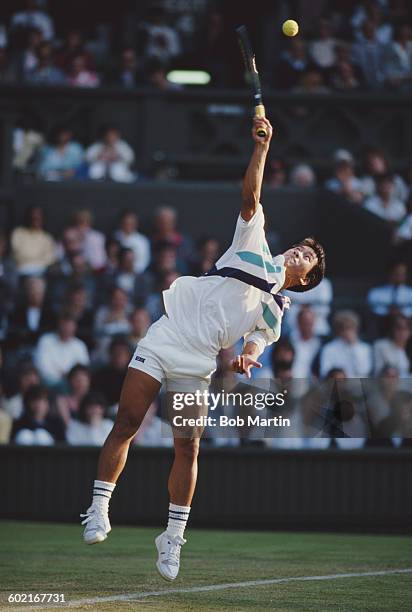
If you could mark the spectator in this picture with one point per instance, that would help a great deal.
(369, 55)
(33, 249)
(394, 297)
(276, 175)
(129, 74)
(346, 351)
(209, 250)
(45, 72)
(311, 82)
(139, 323)
(111, 157)
(344, 182)
(294, 63)
(320, 299)
(391, 351)
(6, 422)
(27, 143)
(156, 71)
(113, 319)
(58, 352)
(380, 398)
(154, 303)
(130, 238)
(28, 377)
(403, 232)
(384, 204)
(399, 59)
(63, 158)
(71, 271)
(397, 427)
(109, 378)
(31, 318)
(80, 75)
(302, 176)
(136, 286)
(32, 17)
(36, 426)
(375, 165)
(79, 381)
(72, 48)
(7, 72)
(91, 428)
(344, 77)
(166, 232)
(112, 248)
(8, 283)
(161, 40)
(322, 49)
(91, 240)
(212, 48)
(28, 60)
(371, 10)
(76, 305)
(305, 343)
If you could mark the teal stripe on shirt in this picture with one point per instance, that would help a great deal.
(257, 260)
(269, 317)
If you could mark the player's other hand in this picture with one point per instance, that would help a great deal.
(262, 122)
(243, 364)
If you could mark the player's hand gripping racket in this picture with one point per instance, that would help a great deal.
(250, 64)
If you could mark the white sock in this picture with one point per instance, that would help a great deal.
(178, 516)
(102, 492)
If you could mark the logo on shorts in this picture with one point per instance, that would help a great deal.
(138, 358)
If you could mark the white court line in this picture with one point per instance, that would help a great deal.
(212, 587)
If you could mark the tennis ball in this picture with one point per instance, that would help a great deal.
(290, 28)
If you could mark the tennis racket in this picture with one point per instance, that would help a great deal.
(250, 65)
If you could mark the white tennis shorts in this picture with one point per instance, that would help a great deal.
(166, 356)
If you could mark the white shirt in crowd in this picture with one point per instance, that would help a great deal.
(34, 19)
(320, 299)
(386, 353)
(380, 299)
(83, 434)
(404, 231)
(54, 358)
(140, 245)
(354, 359)
(400, 190)
(394, 211)
(117, 168)
(305, 353)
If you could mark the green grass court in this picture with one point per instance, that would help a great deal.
(45, 558)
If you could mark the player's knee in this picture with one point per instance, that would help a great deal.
(126, 425)
(187, 449)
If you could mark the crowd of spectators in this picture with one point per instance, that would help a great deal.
(366, 47)
(371, 185)
(73, 307)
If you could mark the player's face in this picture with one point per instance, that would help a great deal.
(300, 260)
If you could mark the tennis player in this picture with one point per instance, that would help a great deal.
(239, 297)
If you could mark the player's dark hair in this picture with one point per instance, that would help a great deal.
(318, 271)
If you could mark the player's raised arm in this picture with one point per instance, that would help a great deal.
(252, 182)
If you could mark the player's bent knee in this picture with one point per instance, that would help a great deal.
(126, 425)
(187, 449)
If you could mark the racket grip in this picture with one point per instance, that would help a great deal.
(260, 114)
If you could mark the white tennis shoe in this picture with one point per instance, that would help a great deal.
(168, 562)
(97, 524)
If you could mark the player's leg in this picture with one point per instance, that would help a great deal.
(181, 485)
(138, 392)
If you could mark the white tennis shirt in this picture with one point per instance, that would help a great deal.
(238, 298)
